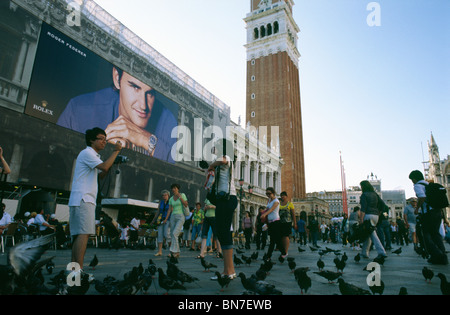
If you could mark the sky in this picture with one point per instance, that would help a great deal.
(371, 94)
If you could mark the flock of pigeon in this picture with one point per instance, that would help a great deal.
(23, 274)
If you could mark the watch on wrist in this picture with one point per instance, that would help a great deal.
(152, 143)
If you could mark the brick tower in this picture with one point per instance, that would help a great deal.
(273, 87)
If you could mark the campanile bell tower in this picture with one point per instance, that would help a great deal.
(273, 84)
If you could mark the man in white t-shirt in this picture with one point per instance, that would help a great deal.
(83, 196)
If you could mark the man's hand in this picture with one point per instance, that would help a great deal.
(123, 128)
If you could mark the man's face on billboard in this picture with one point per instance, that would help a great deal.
(136, 98)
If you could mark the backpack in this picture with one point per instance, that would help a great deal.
(436, 195)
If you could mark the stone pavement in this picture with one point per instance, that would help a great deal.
(402, 270)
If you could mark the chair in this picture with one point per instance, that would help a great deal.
(94, 239)
(142, 235)
(9, 234)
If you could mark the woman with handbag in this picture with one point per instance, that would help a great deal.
(369, 212)
(162, 221)
(177, 203)
(274, 223)
(227, 202)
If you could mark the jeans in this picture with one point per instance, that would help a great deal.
(176, 225)
(373, 237)
(196, 231)
(384, 233)
(163, 232)
(224, 216)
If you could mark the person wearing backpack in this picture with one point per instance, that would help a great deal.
(430, 206)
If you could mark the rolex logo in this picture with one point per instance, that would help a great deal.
(43, 108)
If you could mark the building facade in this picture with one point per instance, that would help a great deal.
(273, 108)
(394, 199)
(51, 52)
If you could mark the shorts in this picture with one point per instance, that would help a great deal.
(412, 227)
(82, 219)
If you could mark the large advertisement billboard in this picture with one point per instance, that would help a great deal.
(75, 88)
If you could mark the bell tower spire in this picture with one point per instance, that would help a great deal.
(273, 84)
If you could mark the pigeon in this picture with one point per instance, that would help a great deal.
(428, 274)
(379, 260)
(329, 275)
(168, 283)
(377, 288)
(248, 283)
(281, 259)
(300, 250)
(223, 280)
(313, 249)
(175, 273)
(94, 262)
(207, 265)
(261, 274)
(254, 256)
(23, 264)
(303, 281)
(50, 266)
(148, 280)
(403, 291)
(248, 260)
(398, 251)
(344, 257)
(237, 261)
(173, 259)
(109, 286)
(357, 258)
(340, 264)
(267, 265)
(350, 289)
(445, 286)
(320, 264)
(291, 263)
(300, 270)
(265, 288)
(240, 252)
(151, 268)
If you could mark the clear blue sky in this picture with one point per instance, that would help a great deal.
(373, 93)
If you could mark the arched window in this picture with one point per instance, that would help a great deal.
(276, 27)
(269, 29)
(255, 33)
(263, 31)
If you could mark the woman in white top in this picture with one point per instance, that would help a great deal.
(274, 223)
(225, 208)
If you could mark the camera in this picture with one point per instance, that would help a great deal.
(120, 159)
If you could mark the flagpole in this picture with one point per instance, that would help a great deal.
(344, 186)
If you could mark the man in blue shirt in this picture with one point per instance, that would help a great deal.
(128, 112)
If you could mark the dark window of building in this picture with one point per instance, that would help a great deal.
(276, 27)
(255, 33)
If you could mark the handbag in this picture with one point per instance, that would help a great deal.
(212, 195)
(186, 210)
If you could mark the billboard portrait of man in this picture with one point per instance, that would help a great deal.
(75, 88)
(124, 111)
